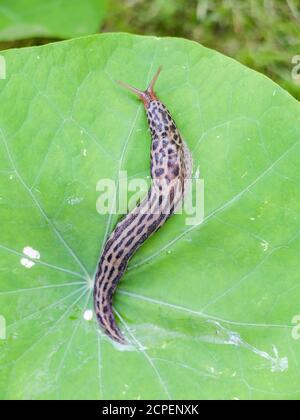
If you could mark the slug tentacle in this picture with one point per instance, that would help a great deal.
(171, 166)
(147, 95)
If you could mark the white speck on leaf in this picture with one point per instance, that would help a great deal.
(27, 263)
(31, 253)
(265, 245)
(88, 315)
(74, 200)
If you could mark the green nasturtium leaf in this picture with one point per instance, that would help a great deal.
(22, 19)
(209, 309)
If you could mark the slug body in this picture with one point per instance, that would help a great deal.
(171, 167)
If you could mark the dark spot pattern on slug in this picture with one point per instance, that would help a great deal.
(108, 245)
(159, 172)
(165, 143)
(163, 115)
(123, 264)
(125, 223)
(117, 247)
(119, 254)
(143, 217)
(172, 194)
(176, 170)
(128, 243)
(112, 270)
(112, 322)
(110, 291)
(140, 230)
(155, 145)
(130, 232)
(142, 239)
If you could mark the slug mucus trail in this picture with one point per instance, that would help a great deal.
(171, 167)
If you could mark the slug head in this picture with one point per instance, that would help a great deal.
(146, 96)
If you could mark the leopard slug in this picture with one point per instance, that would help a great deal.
(171, 167)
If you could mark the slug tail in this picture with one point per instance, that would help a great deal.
(146, 96)
(110, 328)
(103, 295)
